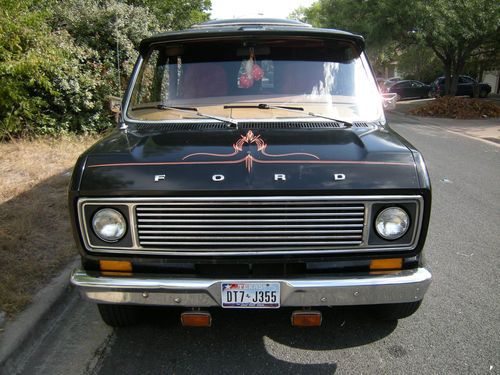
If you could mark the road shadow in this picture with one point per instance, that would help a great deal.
(35, 240)
(253, 342)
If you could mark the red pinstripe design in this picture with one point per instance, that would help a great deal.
(249, 138)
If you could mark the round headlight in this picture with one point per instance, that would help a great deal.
(109, 225)
(392, 223)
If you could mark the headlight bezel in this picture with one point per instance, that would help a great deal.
(401, 213)
(86, 213)
(118, 215)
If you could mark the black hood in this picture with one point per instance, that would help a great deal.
(232, 160)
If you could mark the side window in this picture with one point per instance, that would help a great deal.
(465, 80)
(416, 84)
(145, 92)
(154, 85)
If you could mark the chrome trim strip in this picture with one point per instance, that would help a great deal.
(131, 86)
(399, 287)
(133, 226)
(320, 247)
(305, 199)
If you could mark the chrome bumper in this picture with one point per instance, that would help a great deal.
(403, 286)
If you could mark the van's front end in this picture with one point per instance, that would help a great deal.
(252, 168)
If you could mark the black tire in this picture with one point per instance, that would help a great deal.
(483, 94)
(119, 315)
(395, 311)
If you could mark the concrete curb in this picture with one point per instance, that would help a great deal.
(28, 327)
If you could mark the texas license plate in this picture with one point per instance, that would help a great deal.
(256, 295)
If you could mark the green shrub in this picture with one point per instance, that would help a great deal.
(58, 63)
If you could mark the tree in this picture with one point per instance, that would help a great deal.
(49, 84)
(454, 30)
(61, 59)
(365, 18)
(176, 14)
(111, 28)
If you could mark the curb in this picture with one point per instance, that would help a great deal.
(27, 329)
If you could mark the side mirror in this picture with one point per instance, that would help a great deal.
(115, 106)
(389, 101)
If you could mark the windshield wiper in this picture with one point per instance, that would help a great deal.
(226, 120)
(287, 108)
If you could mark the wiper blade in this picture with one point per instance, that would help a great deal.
(289, 108)
(165, 107)
(262, 106)
(226, 120)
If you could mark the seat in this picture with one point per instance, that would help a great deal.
(301, 78)
(204, 80)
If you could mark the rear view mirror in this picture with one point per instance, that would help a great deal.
(389, 101)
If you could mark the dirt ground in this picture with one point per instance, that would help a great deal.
(35, 237)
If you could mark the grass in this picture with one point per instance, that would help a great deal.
(35, 236)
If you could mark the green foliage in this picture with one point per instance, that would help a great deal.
(454, 30)
(420, 63)
(176, 14)
(47, 86)
(368, 18)
(110, 28)
(61, 59)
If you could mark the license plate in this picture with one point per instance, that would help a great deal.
(254, 295)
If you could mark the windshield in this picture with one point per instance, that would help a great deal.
(230, 78)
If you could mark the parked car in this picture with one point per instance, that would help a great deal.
(409, 89)
(252, 167)
(465, 86)
(393, 80)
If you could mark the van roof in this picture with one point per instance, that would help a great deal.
(252, 27)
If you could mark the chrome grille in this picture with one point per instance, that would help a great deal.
(249, 224)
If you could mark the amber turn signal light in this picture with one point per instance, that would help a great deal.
(386, 264)
(196, 319)
(306, 318)
(115, 267)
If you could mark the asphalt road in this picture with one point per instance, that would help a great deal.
(456, 331)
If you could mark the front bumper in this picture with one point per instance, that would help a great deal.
(399, 287)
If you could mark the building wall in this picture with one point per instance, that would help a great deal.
(492, 78)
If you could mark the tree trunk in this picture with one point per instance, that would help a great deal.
(447, 79)
(459, 68)
(453, 85)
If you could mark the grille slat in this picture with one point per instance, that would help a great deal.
(284, 227)
(154, 209)
(246, 237)
(287, 214)
(262, 232)
(248, 221)
(258, 243)
(241, 224)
